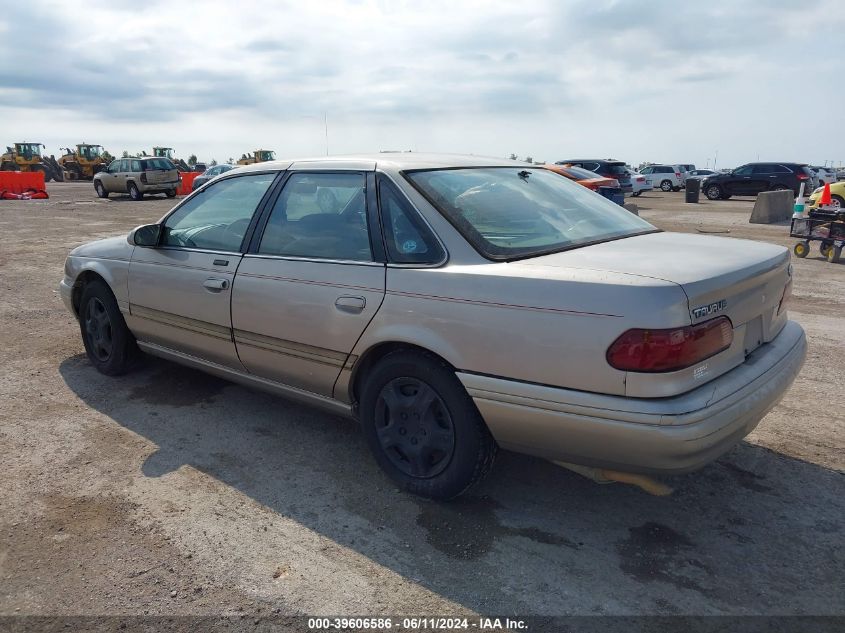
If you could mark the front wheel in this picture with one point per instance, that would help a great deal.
(666, 186)
(109, 344)
(637, 194)
(134, 192)
(801, 249)
(171, 193)
(423, 428)
(834, 254)
(824, 248)
(101, 190)
(713, 192)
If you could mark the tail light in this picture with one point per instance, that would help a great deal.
(144, 177)
(640, 179)
(677, 174)
(803, 177)
(613, 183)
(672, 349)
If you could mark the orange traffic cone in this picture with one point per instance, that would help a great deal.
(825, 199)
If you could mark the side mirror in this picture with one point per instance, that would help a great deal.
(146, 236)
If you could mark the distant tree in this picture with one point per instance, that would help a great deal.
(212, 163)
(529, 160)
(192, 159)
(231, 161)
(125, 154)
(107, 157)
(512, 157)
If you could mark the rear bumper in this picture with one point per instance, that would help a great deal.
(654, 435)
(158, 186)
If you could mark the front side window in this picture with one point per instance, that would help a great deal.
(321, 216)
(745, 170)
(217, 218)
(114, 167)
(510, 213)
(406, 236)
(135, 166)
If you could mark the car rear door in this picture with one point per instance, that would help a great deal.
(763, 178)
(312, 280)
(179, 291)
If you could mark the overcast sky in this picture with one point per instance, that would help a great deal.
(664, 81)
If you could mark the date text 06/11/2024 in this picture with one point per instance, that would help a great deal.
(415, 624)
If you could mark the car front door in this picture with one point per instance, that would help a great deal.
(739, 183)
(113, 178)
(179, 291)
(311, 282)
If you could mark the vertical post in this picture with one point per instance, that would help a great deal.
(326, 124)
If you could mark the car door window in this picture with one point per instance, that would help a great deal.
(217, 218)
(745, 170)
(762, 170)
(406, 236)
(114, 167)
(320, 215)
(135, 166)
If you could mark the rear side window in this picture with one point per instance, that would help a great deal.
(406, 236)
(762, 169)
(780, 169)
(135, 165)
(617, 170)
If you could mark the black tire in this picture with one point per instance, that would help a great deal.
(834, 254)
(824, 247)
(434, 442)
(637, 194)
(100, 189)
(109, 344)
(837, 199)
(801, 249)
(170, 193)
(9, 166)
(780, 188)
(48, 173)
(666, 186)
(134, 192)
(714, 192)
(676, 189)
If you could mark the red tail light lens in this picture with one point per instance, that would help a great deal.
(670, 350)
(803, 177)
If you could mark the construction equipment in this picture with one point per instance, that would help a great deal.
(258, 156)
(167, 152)
(27, 157)
(83, 162)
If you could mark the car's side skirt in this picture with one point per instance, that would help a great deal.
(227, 373)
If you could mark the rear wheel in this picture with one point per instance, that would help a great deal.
(9, 166)
(666, 186)
(824, 247)
(780, 188)
(801, 249)
(48, 173)
(837, 201)
(109, 344)
(637, 194)
(713, 192)
(171, 193)
(100, 189)
(834, 254)
(423, 428)
(134, 192)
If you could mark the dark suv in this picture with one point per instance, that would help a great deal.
(751, 179)
(606, 167)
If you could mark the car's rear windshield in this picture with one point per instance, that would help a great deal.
(157, 163)
(580, 172)
(511, 213)
(617, 169)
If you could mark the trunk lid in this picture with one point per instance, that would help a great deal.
(741, 279)
(160, 170)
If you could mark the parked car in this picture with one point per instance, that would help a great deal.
(453, 306)
(824, 175)
(639, 183)
(665, 177)
(609, 168)
(700, 174)
(609, 186)
(138, 177)
(837, 196)
(209, 174)
(751, 179)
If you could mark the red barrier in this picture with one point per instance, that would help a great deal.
(187, 183)
(18, 181)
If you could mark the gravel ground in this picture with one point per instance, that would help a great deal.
(171, 492)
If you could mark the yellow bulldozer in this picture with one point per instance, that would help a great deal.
(83, 162)
(258, 156)
(27, 157)
(167, 152)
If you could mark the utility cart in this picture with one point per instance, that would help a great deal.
(826, 227)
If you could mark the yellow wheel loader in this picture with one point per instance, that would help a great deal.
(83, 162)
(258, 156)
(167, 152)
(27, 157)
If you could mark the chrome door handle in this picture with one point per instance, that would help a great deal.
(353, 305)
(216, 285)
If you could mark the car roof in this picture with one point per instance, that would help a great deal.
(397, 161)
(609, 161)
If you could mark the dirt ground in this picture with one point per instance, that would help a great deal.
(170, 492)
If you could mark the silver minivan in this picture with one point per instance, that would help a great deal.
(138, 176)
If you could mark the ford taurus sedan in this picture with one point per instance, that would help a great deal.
(453, 305)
